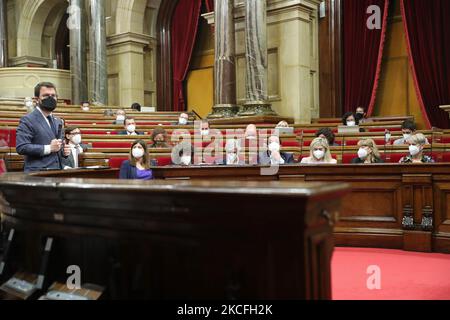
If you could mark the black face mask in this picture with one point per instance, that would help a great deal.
(359, 116)
(48, 104)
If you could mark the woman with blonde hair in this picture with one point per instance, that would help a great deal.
(367, 153)
(416, 145)
(319, 153)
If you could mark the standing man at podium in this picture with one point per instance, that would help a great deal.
(40, 134)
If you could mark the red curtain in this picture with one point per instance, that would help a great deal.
(427, 25)
(183, 34)
(209, 5)
(363, 53)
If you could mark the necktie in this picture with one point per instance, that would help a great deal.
(52, 125)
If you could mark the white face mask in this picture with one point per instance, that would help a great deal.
(182, 121)
(186, 160)
(414, 150)
(406, 136)
(274, 147)
(387, 137)
(351, 123)
(120, 118)
(205, 132)
(319, 154)
(131, 128)
(138, 153)
(76, 140)
(232, 158)
(362, 153)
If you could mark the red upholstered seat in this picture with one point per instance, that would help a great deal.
(2, 167)
(116, 163)
(164, 161)
(103, 145)
(445, 139)
(290, 144)
(347, 158)
(394, 157)
(8, 137)
(446, 157)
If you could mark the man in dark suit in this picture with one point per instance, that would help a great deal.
(273, 156)
(39, 134)
(130, 128)
(73, 139)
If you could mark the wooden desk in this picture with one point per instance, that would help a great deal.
(372, 214)
(179, 239)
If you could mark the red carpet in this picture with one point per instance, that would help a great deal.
(404, 275)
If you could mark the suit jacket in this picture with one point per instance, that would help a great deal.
(70, 161)
(264, 158)
(125, 133)
(33, 134)
(127, 171)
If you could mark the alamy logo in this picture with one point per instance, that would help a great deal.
(74, 280)
(374, 20)
(73, 22)
(374, 279)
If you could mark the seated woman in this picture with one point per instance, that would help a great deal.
(416, 144)
(137, 167)
(367, 153)
(319, 153)
(159, 138)
(350, 120)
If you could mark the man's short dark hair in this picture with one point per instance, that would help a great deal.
(409, 125)
(37, 89)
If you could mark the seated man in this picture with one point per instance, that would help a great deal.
(130, 126)
(73, 140)
(120, 117)
(251, 133)
(409, 129)
(273, 155)
(85, 106)
(183, 120)
(204, 128)
(361, 115)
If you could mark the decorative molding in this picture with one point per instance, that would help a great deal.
(130, 38)
(25, 61)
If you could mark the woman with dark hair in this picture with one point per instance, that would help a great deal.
(137, 167)
(349, 119)
(159, 138)
(136, 107)
(327, 133)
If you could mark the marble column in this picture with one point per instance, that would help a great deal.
(224, 65)
(78, 61)
(98, 60)
(256, 59)
(3, 35)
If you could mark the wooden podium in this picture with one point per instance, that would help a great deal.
(178, 240)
